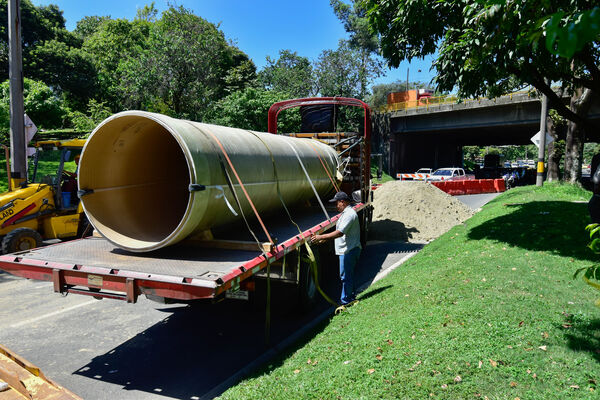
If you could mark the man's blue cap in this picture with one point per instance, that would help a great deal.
(340, 196)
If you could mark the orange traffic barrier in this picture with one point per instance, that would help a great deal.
(500, 185)
(472, 187)
(487, 186)
(475, 186)
(455, 188)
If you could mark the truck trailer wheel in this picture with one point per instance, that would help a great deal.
(21, 239)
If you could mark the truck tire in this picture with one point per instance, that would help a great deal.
(307, 288)
(21, 239)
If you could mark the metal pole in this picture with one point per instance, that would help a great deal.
(15, 75)
(539, 181)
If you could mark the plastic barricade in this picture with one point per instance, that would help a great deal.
(441, 186)
(472, 186)
(500, 185)
(455, 188)
(487, 186)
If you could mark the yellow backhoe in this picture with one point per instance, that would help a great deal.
(43, 207)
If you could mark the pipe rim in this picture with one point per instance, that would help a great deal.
(159, 119)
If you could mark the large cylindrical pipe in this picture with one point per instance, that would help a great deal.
(137, 167)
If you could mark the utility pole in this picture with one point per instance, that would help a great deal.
(539, 181)
(17, 128)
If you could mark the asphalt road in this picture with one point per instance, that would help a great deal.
(112, 350)
(476, 201)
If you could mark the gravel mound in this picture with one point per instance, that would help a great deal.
(414, 211)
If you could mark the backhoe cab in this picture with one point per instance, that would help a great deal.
(46, 205)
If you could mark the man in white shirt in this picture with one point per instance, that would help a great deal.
(347, 244)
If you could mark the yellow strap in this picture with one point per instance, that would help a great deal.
(315, 273)
(311, 256)
(592, 284)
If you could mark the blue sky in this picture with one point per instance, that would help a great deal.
(260, 28)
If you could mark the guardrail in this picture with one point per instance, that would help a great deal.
(426, 102)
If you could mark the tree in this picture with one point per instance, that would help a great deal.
(184, 66)
(42, 105)
(87, 26)
(290, 73)
(362, 39)
(50, 53)
(339, 72)
(248, 109)
(111, 46)
(487, 48)
(147, 13)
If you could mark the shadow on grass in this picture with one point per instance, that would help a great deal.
(552, 226)
(390, 230)
(583, 335)
(364, 296)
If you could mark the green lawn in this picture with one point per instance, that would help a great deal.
(488, 310)
(384, 177)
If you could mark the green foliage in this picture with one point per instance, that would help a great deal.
(50, 52)
(96, 113)
(42, 105)
(507, 153)
(185, 64)
(589, 151)
(384, 176)
(354, 18)
(567, 33)
(591, 274)
(488, 48)
(248, 109)
(339, 72)
(112, 46)
(87, 26)
(290, 73)
(147, 13)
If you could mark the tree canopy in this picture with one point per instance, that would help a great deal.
(176, 63)
(492, 47)
(488, 48)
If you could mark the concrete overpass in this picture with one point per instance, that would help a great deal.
(433, 135)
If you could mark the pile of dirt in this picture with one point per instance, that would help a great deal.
(414, 211)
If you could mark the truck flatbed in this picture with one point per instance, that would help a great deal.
(186, 271)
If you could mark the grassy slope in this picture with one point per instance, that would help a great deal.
(488, 309)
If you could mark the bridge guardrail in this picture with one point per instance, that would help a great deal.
(427, 102)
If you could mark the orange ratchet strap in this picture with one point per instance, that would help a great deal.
(241, 185)
(337, 189)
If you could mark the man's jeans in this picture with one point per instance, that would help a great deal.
(347, 263)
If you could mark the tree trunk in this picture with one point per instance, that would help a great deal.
(580, 104)
(555, 150)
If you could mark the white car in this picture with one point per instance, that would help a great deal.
(449, 174)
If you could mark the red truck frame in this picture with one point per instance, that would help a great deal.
(122, 284)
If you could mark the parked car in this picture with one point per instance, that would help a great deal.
(450, 174)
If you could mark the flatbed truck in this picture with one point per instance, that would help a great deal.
(226, 265)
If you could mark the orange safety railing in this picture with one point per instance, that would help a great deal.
(426, 102)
